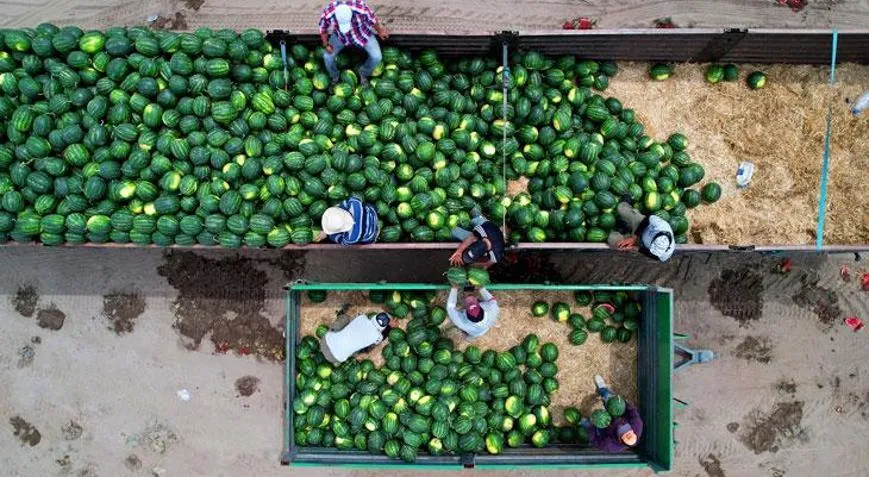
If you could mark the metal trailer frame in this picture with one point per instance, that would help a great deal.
(655, 348)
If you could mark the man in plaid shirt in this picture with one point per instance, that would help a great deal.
(350, 23)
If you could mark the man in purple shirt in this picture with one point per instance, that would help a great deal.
(351, 23)
(623, 432)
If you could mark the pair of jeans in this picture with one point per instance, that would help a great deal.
(605, 393)
(372, 48)
(461, 234)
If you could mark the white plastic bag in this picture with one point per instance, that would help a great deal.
(861, 104)
(744, 173)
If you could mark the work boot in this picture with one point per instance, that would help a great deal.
(599, 382)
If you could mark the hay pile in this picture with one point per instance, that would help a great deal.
(617, 362)
(781, 129)
(847, 201)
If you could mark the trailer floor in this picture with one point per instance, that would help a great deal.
(616, 362)
(787, 395)
(453, 16)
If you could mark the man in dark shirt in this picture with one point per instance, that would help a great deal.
(483, 246)
(623, 432)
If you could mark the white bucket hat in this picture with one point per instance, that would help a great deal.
(344, 15)
(336, 220)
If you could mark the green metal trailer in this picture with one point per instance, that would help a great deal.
(655, 366)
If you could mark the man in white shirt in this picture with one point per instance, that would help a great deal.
(477, 316)
(347, 336)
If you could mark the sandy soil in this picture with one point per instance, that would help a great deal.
(787, 394)
(454, 16)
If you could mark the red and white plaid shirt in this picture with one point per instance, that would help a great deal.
(363, 22)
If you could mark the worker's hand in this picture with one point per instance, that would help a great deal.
(329, 49)
(456, 258)
(627, 243)
(319, 238)
(383, 34)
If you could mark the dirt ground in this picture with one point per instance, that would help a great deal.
(788, 393)
(454, 16)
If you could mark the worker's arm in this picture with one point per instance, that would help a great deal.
(459, 319)
(321, 236)
(381, 30)
(456, 257)
(451, 300)
(629, 243)
(325, 21)
(485, 295)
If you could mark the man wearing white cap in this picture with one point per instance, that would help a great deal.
(349, 223)
(350, 23)
(651, 234)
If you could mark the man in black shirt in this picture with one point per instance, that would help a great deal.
(483, 246)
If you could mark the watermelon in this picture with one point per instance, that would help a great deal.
(756, 80)
(710, 192)
(549, 352)
(457, 276)
(731, 72)
(538, 309)
(572, 415)
(577, 337)
(478, 277)
(600, 418)
(714, 73)
(615, 406)
(560, 312)
(660, 71)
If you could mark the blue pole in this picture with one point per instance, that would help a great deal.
(825, 168)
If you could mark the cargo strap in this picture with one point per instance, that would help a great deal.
(825, 167)
(505, 83)
(284, 61)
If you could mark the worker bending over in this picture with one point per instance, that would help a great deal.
(651, 234)
(483, 246)
(347, 336)
(350, 23)
(623, 432)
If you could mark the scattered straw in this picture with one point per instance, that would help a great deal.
(616, 362)
(780, 129)
(847, 202)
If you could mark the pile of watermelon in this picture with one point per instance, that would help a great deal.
(154, 137)
(470, 275)
(615, 315)
(428, 396)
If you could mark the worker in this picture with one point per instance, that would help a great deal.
(476, 317)
(347, 337)
(623, 432)
(651, 234)
(350, 23)
(483, 246)
(349, 223)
